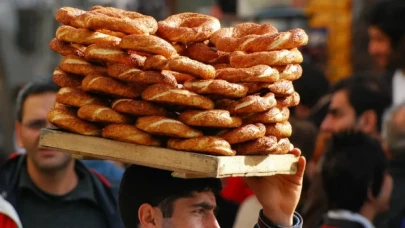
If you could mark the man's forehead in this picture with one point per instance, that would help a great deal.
(38, 105)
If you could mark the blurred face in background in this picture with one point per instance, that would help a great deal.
(341, 115)
(34, 117)
(379, 46)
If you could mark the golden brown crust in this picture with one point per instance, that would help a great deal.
(148, 43)
(71, 16)
(282, 88)
(280, 130)
(180, 77)
(216, 87)
(77, 65)
(68, 121)
(264, 145)
(102, 114)
(256, 87)
(109, 86)
(64, 48)
(134, 75)
(204, 144)
(203, 53)
(252, 104)
(268, 42)
(156, 62)
(274, 115)
(259, 73)
(240, 59)
(85, 37)
(186, 65)
(138, 108)
(159, 125)
(66, 108)
(289, 101)
(120, 20)
(63, 79)
(243, 133)
(210, 118)
(230, 36)
(130, 134)
(166, 94)
(96, 52)
(221, 66)
(188, 27)
(76, 97)
(290, 72)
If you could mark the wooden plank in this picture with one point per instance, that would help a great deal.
(184, 164)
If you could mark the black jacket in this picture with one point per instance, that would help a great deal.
(340, 223)
(9, 179)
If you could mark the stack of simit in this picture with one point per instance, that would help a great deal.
(182, 83)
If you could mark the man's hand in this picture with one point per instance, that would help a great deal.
(279, 194)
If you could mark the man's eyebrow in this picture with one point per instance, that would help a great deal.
(205, 205)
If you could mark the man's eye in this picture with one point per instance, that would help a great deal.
(36, 124)
(199, 211)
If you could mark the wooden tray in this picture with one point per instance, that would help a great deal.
(183, 164)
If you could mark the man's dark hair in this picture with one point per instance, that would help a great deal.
(40, 86)
(388, 16)
(158, 188)
(353, 163)
(365, 93)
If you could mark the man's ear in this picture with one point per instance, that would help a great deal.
(147, 216)
(367, 122)
(18, 129)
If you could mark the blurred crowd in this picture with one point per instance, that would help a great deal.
(352, 134)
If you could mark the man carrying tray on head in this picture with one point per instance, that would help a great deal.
(151, 197)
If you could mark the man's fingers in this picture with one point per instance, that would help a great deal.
(301, 166)
(296, 152)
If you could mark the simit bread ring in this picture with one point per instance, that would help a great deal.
(111, 54)
(159, 125)
(210, 118)
(120, 20)
(274, 115)
(77, 65)
(205, 54)
(76, 97)
(180, 77)
(243, 133)
(281, 88)
(109, 86)
(230, 36)
(134, 75)
(111, 33)
(240, 59)
(252, 104)
(138, 108)
(63, 79)
(129, 133)
(66, 48)
(66, 108)
(259, 73)
(290, 72)
(71, 16)
(221, 66)
(166, 94)
(269, 42)
(264, 145)
(280, 130)
(188, 27)
(216, 87)
(290, 101)
(84, 36)
(204, 144)
(149, 44)
(180, 48)
(102, 114)
(69, 121)
(186, 65)
(156, 62)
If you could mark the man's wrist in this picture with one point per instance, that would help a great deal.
(267, 222)
(279, 218)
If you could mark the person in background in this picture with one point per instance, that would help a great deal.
(387, 44)
(48, 188)
(152, 198)
(355, 180)
(394, 138)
